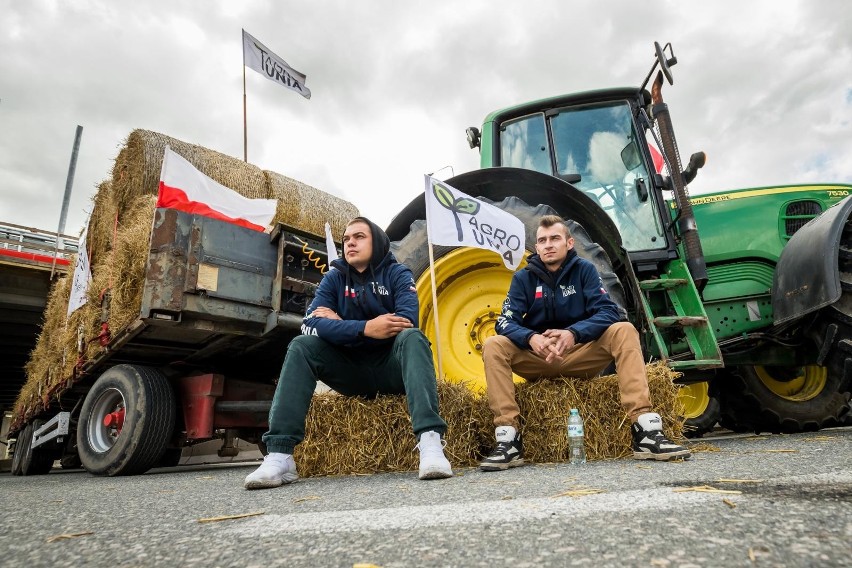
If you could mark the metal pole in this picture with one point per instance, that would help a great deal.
(66, 199)
(245, 130)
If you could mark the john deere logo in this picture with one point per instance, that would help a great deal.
(456, 205)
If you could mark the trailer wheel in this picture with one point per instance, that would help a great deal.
(126, 421)
(701, 408)
(471, 285)
(22, 446)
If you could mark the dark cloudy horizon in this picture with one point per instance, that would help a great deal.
(764, 88)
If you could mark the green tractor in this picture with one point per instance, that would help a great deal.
(748, 293)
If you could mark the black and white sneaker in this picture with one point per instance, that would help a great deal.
(509, 451)
(649, 442)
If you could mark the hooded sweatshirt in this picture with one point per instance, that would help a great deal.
(572, 298)
(384, 287)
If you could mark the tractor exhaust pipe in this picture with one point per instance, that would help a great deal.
(687, 227)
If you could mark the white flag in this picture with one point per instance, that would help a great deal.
(456, 219)
(331, 250)
(258, 57)
(82, 276)
(185, 188)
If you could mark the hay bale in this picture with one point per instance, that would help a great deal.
(101, 223)
(346, 435)
(308, 208)
(137, 168)
(127, 263)
(545, 405)
(350, 435)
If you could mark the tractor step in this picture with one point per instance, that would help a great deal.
(678, 322)
(662, 284)
(682, 321)
(694, 364)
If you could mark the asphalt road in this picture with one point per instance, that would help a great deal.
(792, 507)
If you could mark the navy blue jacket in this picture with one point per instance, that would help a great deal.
(573, 298)
(385, 287)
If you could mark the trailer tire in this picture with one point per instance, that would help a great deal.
(22, 445)
(141, 403)
(473, 283)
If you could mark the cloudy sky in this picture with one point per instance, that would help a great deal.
(764, 87)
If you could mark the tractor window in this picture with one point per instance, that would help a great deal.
(523, 144)
(598, 142)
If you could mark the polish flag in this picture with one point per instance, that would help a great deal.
(538, 292)
(184, 188)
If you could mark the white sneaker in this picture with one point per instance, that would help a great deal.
(276, 470)
(433, 463)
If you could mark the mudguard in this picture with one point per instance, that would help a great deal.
(807, 276)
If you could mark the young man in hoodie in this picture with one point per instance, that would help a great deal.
(359, 337)
(558, 320)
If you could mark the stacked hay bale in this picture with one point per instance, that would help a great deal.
(347, 435)
(117, 244)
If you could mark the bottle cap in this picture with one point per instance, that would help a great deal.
(575, 411)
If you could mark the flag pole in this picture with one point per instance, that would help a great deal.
(245, 131)
(434, 298)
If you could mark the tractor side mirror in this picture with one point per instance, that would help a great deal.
(474, 137)
(696, 162)
(666, 63)
(630, 157)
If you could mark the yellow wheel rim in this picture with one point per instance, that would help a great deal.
(694, 399)
(807, 382)
(471, 286)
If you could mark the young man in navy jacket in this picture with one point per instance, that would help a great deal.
(359, 337)
(558, 320)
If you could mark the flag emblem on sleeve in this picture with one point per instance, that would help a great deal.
(538, 292)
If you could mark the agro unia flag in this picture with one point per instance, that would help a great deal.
(185, 188)
(456, 219)
(260, 58)
(82, 276)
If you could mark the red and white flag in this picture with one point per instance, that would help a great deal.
(184, 188)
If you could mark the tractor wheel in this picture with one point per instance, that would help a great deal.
(471, 285)
(126, 421)
(782, 399)
(701, 408)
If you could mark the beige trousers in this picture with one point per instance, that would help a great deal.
(620, 343)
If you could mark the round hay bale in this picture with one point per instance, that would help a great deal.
(101, 223)
(307, 208)
(137, 168)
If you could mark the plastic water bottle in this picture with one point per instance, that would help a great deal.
(576, 443)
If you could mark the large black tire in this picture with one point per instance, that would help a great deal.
(149, 405)
(701, 407)
(39, 461)
(472, 285)
(22, 446)
(413, 250)
(749, 403)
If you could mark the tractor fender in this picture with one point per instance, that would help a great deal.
(534, 188)
(807, 276)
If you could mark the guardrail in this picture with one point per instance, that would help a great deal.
(28, 245)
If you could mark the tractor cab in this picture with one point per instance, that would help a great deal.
(595, 141)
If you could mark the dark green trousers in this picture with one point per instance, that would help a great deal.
(405, 367)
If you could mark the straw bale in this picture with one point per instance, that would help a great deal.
(101, 223)
(346, 435)
(545, 405)
(137, 168)
(308, 208)
(126, 266)
(350, 435)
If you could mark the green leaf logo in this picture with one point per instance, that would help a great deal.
(465, 205)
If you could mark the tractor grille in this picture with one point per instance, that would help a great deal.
(798, 214)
